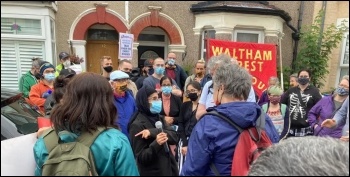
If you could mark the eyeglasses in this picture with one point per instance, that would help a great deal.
(191, 91)
(154, 98)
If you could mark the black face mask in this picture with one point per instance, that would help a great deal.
(150, 71)
(108, 69)
(303, 80)
(129, 73)
(193, 96)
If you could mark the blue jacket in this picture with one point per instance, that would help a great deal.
(214, 140)
(111, 150)
(126, 107)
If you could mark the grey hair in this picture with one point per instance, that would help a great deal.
(217, 60)
(345, 77)
(275, 79)
(36, 62)
(235, 80)
(304, 156)
(295, 75)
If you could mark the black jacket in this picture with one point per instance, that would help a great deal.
(151, 158)
(187, 121)
(299, 109)
(175, 107)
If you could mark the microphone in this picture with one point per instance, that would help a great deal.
(159, 125)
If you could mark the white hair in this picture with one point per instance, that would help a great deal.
(304, 156)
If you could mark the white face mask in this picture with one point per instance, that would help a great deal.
(67, 64)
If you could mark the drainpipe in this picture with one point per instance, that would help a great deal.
(296, 35)
(127, 12)
(324, 7)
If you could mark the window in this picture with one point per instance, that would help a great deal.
(344, 60)
(16, 60)
(102, 34)
(206, 34)
(53, 40)
(21, 26)
(248, 36)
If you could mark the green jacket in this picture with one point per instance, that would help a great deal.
(112, 153)
(58, 69)
(26, 82)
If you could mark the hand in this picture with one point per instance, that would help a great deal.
(184, 150)
(41, 131)
(329, 123)
(176, 91)
(169, 120)
(345, 138)
(161, 138)
(145, 134)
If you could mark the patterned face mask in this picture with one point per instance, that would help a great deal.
(342, 91)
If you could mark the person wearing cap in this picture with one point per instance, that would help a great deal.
(123, 99)
(59, 86)
(39, 92)
(64, 62)
(30, 78)
(147, 70)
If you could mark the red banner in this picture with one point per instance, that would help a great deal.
(258, 59)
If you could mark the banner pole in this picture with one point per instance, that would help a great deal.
(280, 52)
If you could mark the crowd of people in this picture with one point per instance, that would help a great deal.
(159, 126)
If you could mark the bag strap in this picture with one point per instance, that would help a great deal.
(283, 108)
(217, 114)
(260, 124)
(87, 138)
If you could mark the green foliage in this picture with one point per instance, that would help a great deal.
(287, 71)
(316, 48)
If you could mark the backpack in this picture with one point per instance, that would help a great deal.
(70, 159)
(251, 142)
(283, 108)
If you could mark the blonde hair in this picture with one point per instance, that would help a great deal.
(275, 90)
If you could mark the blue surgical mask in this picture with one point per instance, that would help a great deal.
(156, 107)
(49, 77)
(159, 70)
(342, 91)
(171, 61)
(167, 89)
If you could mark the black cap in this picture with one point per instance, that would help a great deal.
(63, 55)
(67, 72)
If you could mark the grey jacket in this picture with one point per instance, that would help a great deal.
(342, 117)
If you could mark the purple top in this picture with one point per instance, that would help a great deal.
(264, 98)
(322, 110)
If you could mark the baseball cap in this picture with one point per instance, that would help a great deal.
(63, 55)
(148, 62)
(118, 75)
(68, 73)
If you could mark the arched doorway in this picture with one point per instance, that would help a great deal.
(153, 42)
(101, 40)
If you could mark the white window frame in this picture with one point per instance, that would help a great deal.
(261, 36)
(341, 60)
(203, 43)
(157, 31)
(21, 36)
